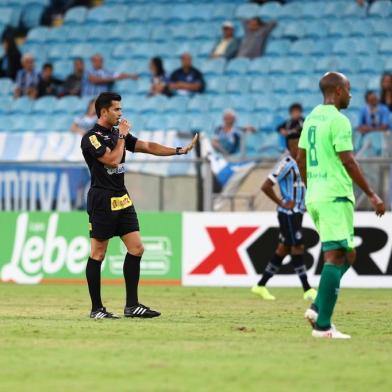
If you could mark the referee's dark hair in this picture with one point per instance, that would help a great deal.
(104, 101)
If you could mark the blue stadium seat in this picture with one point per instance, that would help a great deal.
(201, 122)
(326, 64)
(139, 13)
(179, 123)
(58, 34)
(262, 84)
(121, 51)
(155, 104)
(278, 47)
(371, 65)
(333, 8)
(5, 15)
(61, 123)
(161, 33)
(388, 65)
(78, 33)
(20, 123)
(280, 65)
(221, 12)
(358, 83)
(217, 85)
(270, 10)
(259, 66)
(246, 11)
(62, 68)
(37, 35)
(312, 10)
(238, 85)
(291, 11)
(265, 102)
(336, 31)
(294, 30)
(385, 46)
(242, 103)
(44, 105)
(69, 105)
(107, 14)
(5, 103)
(360, 28)
(381, 9)
(381, 27)
(6, 86)
(302, 65)
(75, 15)
(315, 30)
(213, 67)
(40, 123)
(219, 103)
(31, 15)
(22, 105)
(237, 66)
(59, 51)
(100, 32)
(353, 10)
(307, 84)
(198, 104)
(302, 47)
(155, 122)
(344, 46)
(177, 104)
(82, 50)
(203, 31)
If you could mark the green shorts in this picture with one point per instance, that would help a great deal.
(334, 222)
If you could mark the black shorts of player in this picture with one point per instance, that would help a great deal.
(290, 228)
(105, 223)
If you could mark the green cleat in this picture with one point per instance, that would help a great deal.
(263, 292)
(310, 295)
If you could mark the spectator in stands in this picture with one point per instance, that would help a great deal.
(228, 45)
(256, 34)
(374, 116)
(294, 123)
(386, 90)
(227, 137)
(27, 78)
(10, 62)
(98, 80)
(48, 84)
(82, 124)
(73, 84)
(159, 79)
(187, 79)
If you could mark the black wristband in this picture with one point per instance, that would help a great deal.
(178, 150)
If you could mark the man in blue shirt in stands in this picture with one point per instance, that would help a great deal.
(187, 79)
(98, 80)
(374, 116)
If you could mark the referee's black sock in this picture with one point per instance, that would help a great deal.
(300, 270)
(271, 269)
(93, 275)
(131, 271)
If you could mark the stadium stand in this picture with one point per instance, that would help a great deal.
(350, 39)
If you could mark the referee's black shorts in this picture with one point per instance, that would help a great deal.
(290, 228)
(107, 218)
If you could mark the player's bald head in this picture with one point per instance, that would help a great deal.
(331, 80)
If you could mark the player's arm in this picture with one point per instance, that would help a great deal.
(354, 171)
(161, 150)
(301, 162)
(101, 80)
(268, 188)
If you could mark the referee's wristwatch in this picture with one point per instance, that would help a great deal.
(178, 149)
(121, 136)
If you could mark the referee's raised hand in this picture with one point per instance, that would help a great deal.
(189, 147)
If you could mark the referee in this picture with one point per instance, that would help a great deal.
(109, 206)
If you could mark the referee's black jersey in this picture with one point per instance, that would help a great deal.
(93, 146)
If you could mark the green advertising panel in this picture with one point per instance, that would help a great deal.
(38, 246)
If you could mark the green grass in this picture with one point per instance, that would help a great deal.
(208, 339)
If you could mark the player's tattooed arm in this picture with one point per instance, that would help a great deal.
(354, 171)
(301, 162)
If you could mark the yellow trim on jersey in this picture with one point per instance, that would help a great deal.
(119, 203)
(95, 142)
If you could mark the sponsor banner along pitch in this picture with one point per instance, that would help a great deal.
(232, 249)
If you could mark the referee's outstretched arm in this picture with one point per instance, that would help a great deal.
(160, 150)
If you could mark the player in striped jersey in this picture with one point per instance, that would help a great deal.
(291, 208)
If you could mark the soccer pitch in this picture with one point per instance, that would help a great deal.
(207, 339)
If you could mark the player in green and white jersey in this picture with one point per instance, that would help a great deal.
(328, 167)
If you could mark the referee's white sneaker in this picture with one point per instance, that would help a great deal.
(331, 333)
